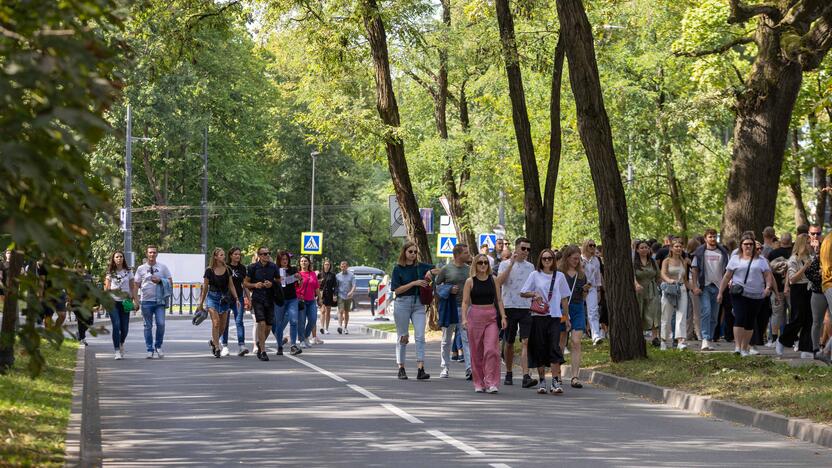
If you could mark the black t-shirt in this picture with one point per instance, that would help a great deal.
(238, 273)
(257, 272)
(217, 283)
(328, 283)
(483, 292)
(577, 289)
(289, 291)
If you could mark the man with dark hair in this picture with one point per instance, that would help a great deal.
(513, 275)
(708, 268)
(802, 229)
(455, 274)
(814, 237)
(150, 278)
(261, 278)
(769, 239)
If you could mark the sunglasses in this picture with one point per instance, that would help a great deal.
(746, 244)
(547, 259)
(814, 234)
(482, 262)
(264, 253)
(524, 249)
(412, 251)
(590, 245)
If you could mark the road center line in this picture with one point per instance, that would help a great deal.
(316, 368)
(456, 443)
(364, 392)
(500, 465)
(401, 413)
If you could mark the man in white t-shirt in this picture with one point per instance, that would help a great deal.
(708, 268)
(147, 279)
(513, 275)
(592, 269)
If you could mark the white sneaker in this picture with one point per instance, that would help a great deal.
(682, 346)
(118, 356)
(744, 353)
(159, 353)
(753, 351)
(769, 344)
(796, 344)
(150, 355)
(779, 348)
(346, 331)
(737, 350)
(121, 349)
(595, 341)
(444, 374)
(224, 351)
(565, 351)
(805, 355)
(306, 343)
(318, 340)
(491, 390)
(706, 345)
(663, 346)
(326, 332)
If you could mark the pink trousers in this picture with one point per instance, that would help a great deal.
(483, 337)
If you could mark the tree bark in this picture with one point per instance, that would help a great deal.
(680, 220)
(764, 108)
(626, 340)
(10, 313)
(465, 230)
(388, 110)
(795, 189)
(534, 211)
(159, 196)
(555, 144)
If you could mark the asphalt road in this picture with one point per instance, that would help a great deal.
(340, 404)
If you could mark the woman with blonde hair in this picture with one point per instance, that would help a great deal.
(674, 296)
(592, 269)
(480, 296)
(571, 267)
(800, 296)
(217, 293)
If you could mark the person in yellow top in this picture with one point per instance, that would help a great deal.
(826, 263)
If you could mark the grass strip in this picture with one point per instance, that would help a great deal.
(34, 412)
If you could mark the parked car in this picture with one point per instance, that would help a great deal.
(363, 275)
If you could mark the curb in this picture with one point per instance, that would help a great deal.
(802, 429)
(83, 438)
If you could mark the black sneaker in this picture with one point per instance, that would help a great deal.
(469, 375)
(340, 330)
(656, 342)
(509, 379)
(402, 374)
(279, 351)
(217, 352)
(263, 356)
(294, 350)
(557, 386)
(421, 374)
(528, 381)
(213, 348)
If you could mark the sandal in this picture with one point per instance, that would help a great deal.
(576, 383)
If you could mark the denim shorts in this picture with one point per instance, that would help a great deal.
(214, 301)
(577, 316)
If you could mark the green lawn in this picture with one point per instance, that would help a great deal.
(759, 382)
(34, 412)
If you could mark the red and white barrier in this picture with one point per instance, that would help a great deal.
(384, 296)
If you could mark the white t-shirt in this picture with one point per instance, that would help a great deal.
(514, 283)
(592, 270)
(714, 269)
(143, 277)
(754, 286)
(120, 281)
(539, 283)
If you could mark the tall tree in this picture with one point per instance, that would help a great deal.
(626, 340)
(388, 110)
(791, 37)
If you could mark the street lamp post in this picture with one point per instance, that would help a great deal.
(314, 155)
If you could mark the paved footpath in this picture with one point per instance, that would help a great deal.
(340, 404)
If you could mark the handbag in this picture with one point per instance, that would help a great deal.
(128, 305)
(199, 317)
(738, 289)
(542, 308)
(426, 294)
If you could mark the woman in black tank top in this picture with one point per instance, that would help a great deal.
(480, 297)
(217, 293)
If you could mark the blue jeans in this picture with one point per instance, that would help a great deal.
(457, 343)
(448, 341)
(153, 311)
(121, 324)
(708, 311)
(286, 313)
(307, 318)
(408, 309)
(239, 311)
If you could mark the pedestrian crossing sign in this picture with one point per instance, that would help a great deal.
(445, 245)
(311, 243)
(489, 239)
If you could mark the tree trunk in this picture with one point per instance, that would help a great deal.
(10, 312)
(795, 189)
(388, 110)
(554, 142)
(522, 129)
(626, 339)
(819, 175)
(465, 230)
(680, 220)
(159, 197)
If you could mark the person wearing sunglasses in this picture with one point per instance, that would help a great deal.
(513, 275)
(751, 283)
(592, 269)
(148, 277)
(454, 275)
(261, 278)
(481, 302)
(408, 276)
(549, 288)
(815, 237)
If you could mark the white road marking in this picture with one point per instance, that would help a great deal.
(500, 465)
(458, 444)
(364, 392)
(401, 413)
(316, 368)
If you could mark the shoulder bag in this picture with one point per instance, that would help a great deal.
(540, 307)
(739, 288)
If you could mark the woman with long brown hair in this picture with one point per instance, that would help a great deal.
(572, 268)
(329, 294)
(217, 293)
(647, 290)
(119, 281)
(800, 296)
(674, 296)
